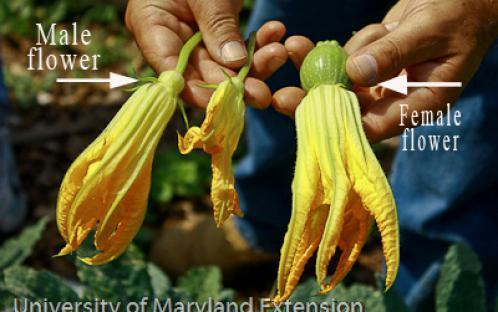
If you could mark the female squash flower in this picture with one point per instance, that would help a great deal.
(338, 183)
(219, 136)
(107, 186)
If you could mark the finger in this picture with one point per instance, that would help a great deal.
(389, 116)
(195, 95)
(298, 47)
(384, 119)
(396, 12)
(287, 99)
(367, 35)
(409, 44)
(159, 47)
(268, 60)
(272, 31)
(158, 34)
(257, 94)
(211, 71)
(219, 25)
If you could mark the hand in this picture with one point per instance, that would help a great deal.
(432, 40)
(160, 28)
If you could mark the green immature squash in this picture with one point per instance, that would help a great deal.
(325, 64)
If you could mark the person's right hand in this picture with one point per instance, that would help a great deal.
(161, 27)
(429, 40)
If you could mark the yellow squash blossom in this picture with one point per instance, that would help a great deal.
(219, 136)
(338, 182)
(107, 186)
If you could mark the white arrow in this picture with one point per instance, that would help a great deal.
(400, 84)
(114, 80)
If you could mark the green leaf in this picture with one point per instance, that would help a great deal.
(37, 285)
(177, 175)
(6, 298)
(307, 291)
(159, 281)
(202, 283)
(15, 250)
(460, 286)
(373, 300)
(125, 279)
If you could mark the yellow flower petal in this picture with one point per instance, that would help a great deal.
(107, 185)
(371, 184)
(336, 172)
(353, 236)
(305, 195)
(219, 136)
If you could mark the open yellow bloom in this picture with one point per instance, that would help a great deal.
(106, 187)
(338, 185)
(219, 136)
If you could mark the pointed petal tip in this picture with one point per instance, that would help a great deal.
(60, 254)
(389, 283)
(219, 222)
(94, 260)
(277, 300)
(66, 250)
(324, 289)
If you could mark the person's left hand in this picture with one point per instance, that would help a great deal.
(432, 40)
(161, 27)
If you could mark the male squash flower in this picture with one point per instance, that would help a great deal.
(219, 136)
(338, 183)
(107, 186)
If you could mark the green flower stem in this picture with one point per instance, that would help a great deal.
(250, 47)
(186, 50)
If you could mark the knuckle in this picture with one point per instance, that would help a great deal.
(374, 28)
(220, 22)
(392, 53)
(128, 16)
(374, 127)
(151, 17)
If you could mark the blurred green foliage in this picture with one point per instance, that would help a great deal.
(373, 300)
(15, 250)
(17, 25)
(461, 268)
(131, 277)
(174, 174)
(19, 17)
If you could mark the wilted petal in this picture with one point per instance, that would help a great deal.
(107, 185)
(219, 136)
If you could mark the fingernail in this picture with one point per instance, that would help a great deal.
(233, 51)
(391, 26)
(367, 67)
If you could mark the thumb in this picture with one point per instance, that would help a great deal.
(218, 22)
(405, 46)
